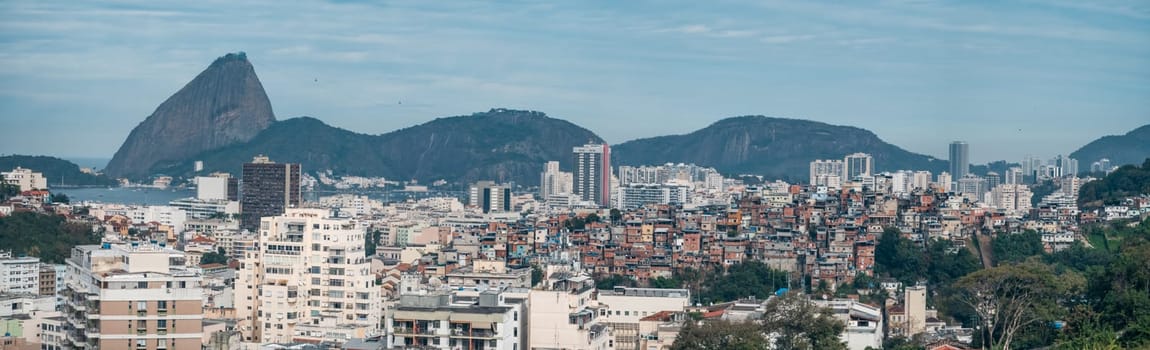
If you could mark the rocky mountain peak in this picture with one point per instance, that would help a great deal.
(223, 105)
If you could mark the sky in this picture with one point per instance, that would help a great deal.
(1012, 78)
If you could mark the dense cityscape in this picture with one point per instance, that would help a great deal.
(574, 175)
(598, 257)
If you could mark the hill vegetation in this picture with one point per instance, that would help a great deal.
(1128, 180)
(501, 144)
(55, 170)
(49, 237)
(774, 147)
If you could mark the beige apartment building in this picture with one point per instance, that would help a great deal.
(565, 315)
(132, 296)
(623, 308)
(308, 281)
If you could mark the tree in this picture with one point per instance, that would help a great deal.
(747, 279)
(372, 242)
(1086, 331)
(536, 275)
(1006, 299)
(49, 237)
(59, 198)
(217, 257)
(899, 258)
(592, 218)
(8, 190)
(794, 322)
(611, 281)
(720, 335)
(1014, 248)
(616, 215)
(663, 282)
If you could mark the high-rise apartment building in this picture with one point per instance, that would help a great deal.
(1012, 198)
(593, 173)
(1068, 166)
(921, 180)
(945, 182)
(308, 281)
(993, 179)
(1014, 176)
(217, 187)
(959, 159)
(490, 197)
(821, 169)
(553, 181)
(1102, 165)
(635, 196)
(19, 275)
(268, 189)
(133, 296)
(857, 165)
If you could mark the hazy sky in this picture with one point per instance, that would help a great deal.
(1010, 77)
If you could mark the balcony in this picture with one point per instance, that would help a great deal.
(162, 331)
(141, 332)
(472, 333)
(162, 312)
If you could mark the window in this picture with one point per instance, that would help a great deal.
(142, 325)
(141, 343)
(162, 304)
(161, 324)
(161, 343)
(141, 285)
(142, 305)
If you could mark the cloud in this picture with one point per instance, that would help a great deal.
(621, 66)
(785, 39)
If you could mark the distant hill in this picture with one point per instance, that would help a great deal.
(223, 117)
(769, 146)
(501, 144)
(56, 170)
(225, 104)
(1131, 148)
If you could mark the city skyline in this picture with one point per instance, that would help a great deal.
(903, 70)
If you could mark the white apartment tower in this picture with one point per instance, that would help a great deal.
(552, 181)
(309, 281)
(132, 296)
(945, 182)
(857, 164)
(921, 180)
(821, 169)
(19, 275)
(1014, 199)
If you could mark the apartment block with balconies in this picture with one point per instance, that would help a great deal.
(132, 296)
(308, 281)
(493, 320)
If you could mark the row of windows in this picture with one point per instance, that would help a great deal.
(623, 313)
